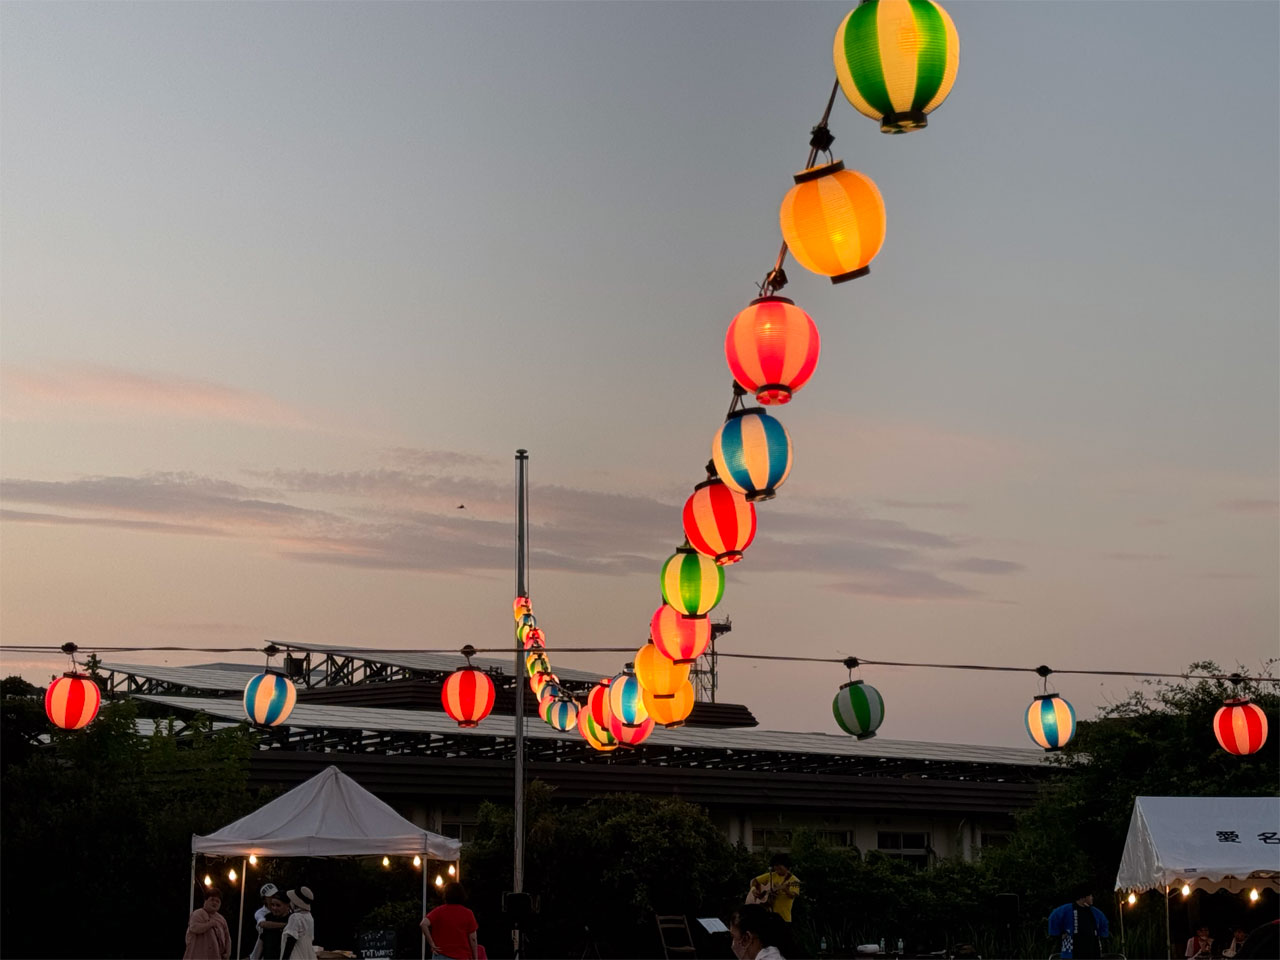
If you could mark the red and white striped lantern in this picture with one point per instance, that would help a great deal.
(1240, 726)
(719, 522)
(72, 701)
(467, 696)
(772, 348)
(677, 637)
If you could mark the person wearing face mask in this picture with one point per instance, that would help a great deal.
(755, 933)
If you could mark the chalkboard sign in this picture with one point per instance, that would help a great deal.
(377, 943)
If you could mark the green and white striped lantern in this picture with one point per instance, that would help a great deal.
(896, 61)
(859, 709)
(691, 583)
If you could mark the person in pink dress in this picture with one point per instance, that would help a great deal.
(208, 936)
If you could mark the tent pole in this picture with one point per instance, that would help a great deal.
(1120, 911)
(191, 906)
(424, 903)
(1168, 931)
(244, 882)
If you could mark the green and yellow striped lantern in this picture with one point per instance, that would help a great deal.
(859, 709)
(691, 583)
(536, 663)
(896, 61)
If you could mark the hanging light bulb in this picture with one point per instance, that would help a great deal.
(439, 880)
(208, 880)
(417, 860)
(231, 875)
(1133, 898)
(1186, 890)
(453, 871)
(386, 861)
(1253, 895)
(253, 860)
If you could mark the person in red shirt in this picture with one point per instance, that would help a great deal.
(451, 928)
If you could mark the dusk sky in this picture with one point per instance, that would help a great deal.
(283, 284)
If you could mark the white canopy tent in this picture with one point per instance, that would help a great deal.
(1207, 843)
(329, 815)
(1203, 843)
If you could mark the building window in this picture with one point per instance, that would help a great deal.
(767, 839)
(912, 848)
(837, 838)
(994, 841)
(466, 832)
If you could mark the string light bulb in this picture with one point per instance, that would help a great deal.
(1186, 890)
(1253, 895)
(208, 880)
(439, 880)
(231, 875)
(417, 860)
(386, 861)
(1133, 898)
(253, 859)
(452, 870)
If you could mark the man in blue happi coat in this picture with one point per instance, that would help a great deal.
(1080, 924)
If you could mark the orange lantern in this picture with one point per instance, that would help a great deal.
(671, 711)
(772, 348)
(659, 675)
(833, 221)
(72, 701)
(677, 637)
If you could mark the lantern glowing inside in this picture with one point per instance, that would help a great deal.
(534, 639)
(598, 737)
(626, 701)
(1240, 726)
(562, 714)
(719, 522)
(269, 699)
(772, 348)
(677, 637)
(1051, 721)
(537, 662)
(858, 709)
(752, 453)
(833, 221)
(670, 711)
(691, 582)
(525, 623)
(598, 704)
(467, 696)
(72, 701)
(520, 606)
(896, 61)
(631, 736)
(539, 681)
(658, 675)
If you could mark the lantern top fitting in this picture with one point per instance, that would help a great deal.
(804, 176)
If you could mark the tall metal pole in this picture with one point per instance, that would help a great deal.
(522, 590)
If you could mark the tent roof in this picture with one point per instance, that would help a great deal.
(329, 815)
(1209, 843)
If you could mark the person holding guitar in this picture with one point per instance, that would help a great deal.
(777, 889)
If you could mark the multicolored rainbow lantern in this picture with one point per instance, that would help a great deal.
(562, 713)
(598, 704)
(598, 737)
(896, 61)
(1051, 722)
(269, 699)
(536, 663)
(659, 675)
(719, 522)
(626, 700)
(677, 637)
(671, 711)
(833, 221)
(772, 348)
(752, 453)
(467, 695)
(858, 709)
(691, 583)
(1240, 726)
(630, 736)
(72, 701)
(538, 682)
(520, 606)
(524, 623)
(534, 639)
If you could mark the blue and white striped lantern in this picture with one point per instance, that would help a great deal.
(562, 714)
(626, 699)
(859, 709)
(1050, 722)
(269, 699)
(752, 453)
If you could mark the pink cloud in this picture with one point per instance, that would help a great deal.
(109, 393)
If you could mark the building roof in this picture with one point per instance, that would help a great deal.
(437, 662)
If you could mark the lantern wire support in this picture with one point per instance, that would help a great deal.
(70, 649)
(1043, 672)
(737, 403)
(271, 650)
